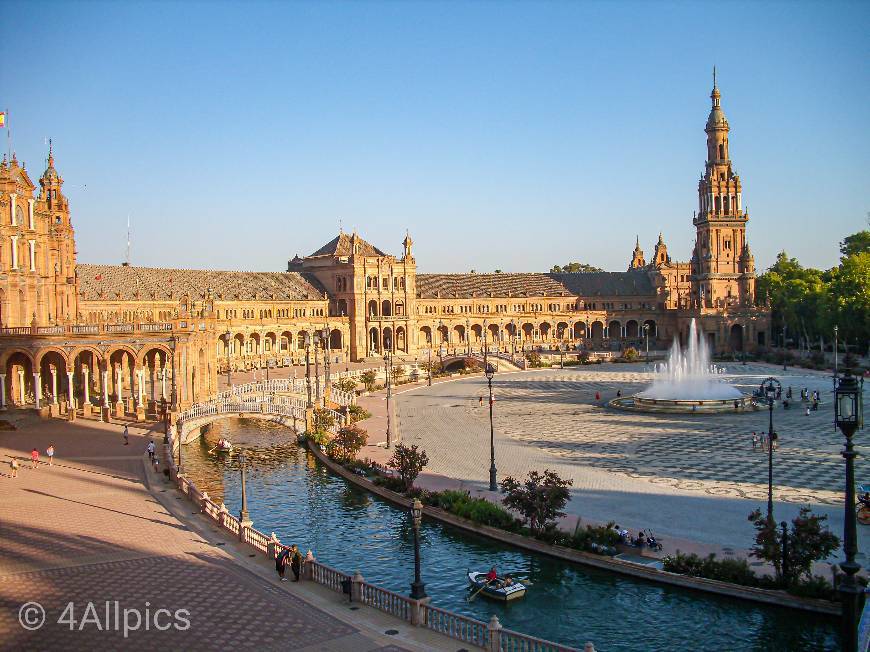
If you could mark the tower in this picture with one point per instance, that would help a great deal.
(637, 260)
(660, 255)
(722, 267)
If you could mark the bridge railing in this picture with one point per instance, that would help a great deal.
(489, 636)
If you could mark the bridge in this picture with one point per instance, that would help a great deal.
(278, 400)
(501, 361)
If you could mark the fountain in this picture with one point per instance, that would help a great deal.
(687, 382)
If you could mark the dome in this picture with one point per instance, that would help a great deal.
(716, 118)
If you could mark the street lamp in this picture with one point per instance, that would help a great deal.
(646, 335)
(490, 372)
(244, 517)
(173, 342)
(769, 389)
(229, 358)
(309, 404)
(430, 362)
(418, 589)
(848, 415)
(387, 370)
(836, 346)
(316, 368)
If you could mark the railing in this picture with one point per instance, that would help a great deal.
(87, 329)
(490, 636)
(462, 628)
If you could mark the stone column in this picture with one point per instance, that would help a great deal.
(140, 395)
(30, 214)
(106, 387)
(163, 382)
(21, 386)
(37, 389)
(14, 251)
(2, 391)
(32, 245)
(13, 196)
(69, 377)
(86, 372)
(53, 385)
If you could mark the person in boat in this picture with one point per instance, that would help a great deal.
(864, 499)
(492, 575)
(508, 581)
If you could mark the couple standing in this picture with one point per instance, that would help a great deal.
(292, 556)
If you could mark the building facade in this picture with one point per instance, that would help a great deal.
(127, 339)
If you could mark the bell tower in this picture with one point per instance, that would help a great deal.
(721, 262)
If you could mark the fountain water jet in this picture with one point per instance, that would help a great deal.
(687, 382)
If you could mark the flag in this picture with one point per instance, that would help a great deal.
(2, 119)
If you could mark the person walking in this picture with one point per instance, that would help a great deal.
(34, 459)
(13, 467)
(126, 436)
(754, 441)
(480, 400)
(281, 563)
(808, 411)
(50, 452)
(295, 562)
(150, 449)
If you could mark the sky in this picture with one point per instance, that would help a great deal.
(502, 135)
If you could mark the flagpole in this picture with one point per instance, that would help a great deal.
(8, 137)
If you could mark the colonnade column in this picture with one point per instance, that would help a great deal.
(163, 382)
(140, 388)
(37, 389)
(69, 380)
(53, 385)
(119, 382)
(21, 386)
(86, 372)
(106, 386)
(2, 391)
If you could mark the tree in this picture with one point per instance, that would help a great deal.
(857, 243)
(809, 541)
(574, 267)
(408, 461)
(346, 385)
(398, 371)
(348, 441)
(539, 499)
(368, 379)
(323, 420)
(849, 297)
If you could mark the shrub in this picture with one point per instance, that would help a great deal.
(346, 385)
(357, 413)
(478, 510)
(348, 441)
(736, 571)
(540, 498)
(601, 539)
(323, 420)
(630, 354)
(533, 358)
(367, 378)
(408, 461)
(391, 483)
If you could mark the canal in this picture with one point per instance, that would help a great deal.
(291, 494)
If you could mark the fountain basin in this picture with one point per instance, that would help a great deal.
(685, 406)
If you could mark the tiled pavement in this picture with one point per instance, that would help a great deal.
(692, 478)
(87, 532)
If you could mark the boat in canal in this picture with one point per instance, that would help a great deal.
(496, 590)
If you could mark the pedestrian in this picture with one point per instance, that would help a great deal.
(295, 562)
(50, 452)
(13, 466)
(309, 556)
(774, 438)
(126, 436)
(480, 400)
(754, 441)
(808, 411)
(281, 563)
(597, 396)
(763, 440)
(150, 449)
(34, 459)
(618, 393)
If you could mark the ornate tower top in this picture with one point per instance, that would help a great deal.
(407, 243)
(660, 256)
(637, 260)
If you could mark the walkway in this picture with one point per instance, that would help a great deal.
(88, 531)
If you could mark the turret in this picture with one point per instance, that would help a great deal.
(637, 260)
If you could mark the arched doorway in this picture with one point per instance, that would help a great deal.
(335, 340)
(388, 339)
(19, 379)
(614, 330)
(374, 344)
(597, 331)
(426, 336)
(580, 330)
(53, 379)
(631, 329)
(401, 345)
(736, 337)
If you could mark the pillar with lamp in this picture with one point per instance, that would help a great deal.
(849, 417)
(244, 517)
(229, 337)
(418, 589)
(388, 369)
(493, 486)
(309, 404)
(646, 335)
(770, 388)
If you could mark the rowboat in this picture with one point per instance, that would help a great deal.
(495, 590)
(224, 447)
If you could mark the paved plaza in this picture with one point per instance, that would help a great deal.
(693, 477)
(88, 531)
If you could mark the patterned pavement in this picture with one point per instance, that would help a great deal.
(668, 472)
(87, 541)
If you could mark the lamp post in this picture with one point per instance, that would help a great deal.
(309, 404)
(316, 369)
(561, 356)
(490, 372)
(769, 389)
(514, 338)
(430, 364)
(243, 513)
(785, 569)
(848, 411)
(229, 336)
(173, 342)
(327, 379)
(836, 346)
(646, 335)
(387, 372)
(418, 589)
(784, 358)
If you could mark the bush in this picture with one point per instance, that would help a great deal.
(367, 378)
(583, 357)
(323, 420)
(600, 539)
(346, 385)
(630, 354)
(348, 441)
(477, 510)
(736, 571)
(408, 461)
(533, 358)
(356, 413)
(539, 498)
(391, 483)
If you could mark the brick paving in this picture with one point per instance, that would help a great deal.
(88, 531)
(692, 479)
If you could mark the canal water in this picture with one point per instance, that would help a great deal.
(291, 494)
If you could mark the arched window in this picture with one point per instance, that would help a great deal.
(721, 150)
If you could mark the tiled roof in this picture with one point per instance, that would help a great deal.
(341, 245)
(583, 284)
(124, 282)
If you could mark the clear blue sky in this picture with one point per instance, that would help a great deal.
(503, 135)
